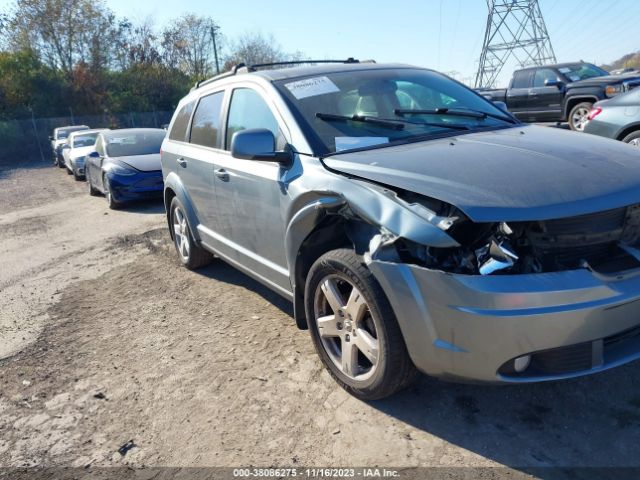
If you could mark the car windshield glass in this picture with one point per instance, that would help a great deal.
(63, 135)
(582, 71)
(126, 144)
(363, 108)
(84, 140)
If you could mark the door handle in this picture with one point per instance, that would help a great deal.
(182, 162)
(222, 174)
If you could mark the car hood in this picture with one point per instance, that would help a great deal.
(145, 163)
(81, 151)
(516, 174)
(604, 80)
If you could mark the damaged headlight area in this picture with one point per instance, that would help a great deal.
(606, 242)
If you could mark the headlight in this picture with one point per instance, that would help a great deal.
(120, 169)
(613, 90)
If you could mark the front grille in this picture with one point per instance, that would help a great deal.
(587, 224)
(565, 243)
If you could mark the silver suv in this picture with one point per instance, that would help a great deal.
(413, 224)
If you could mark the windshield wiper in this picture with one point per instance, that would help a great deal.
(452, 112)
(396, 124)
(392, 124)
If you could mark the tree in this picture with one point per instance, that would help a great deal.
(136, 44)
(63, 32)
(188, 45)
(254, 48)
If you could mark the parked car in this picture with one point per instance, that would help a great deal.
(125, 165)
(559, 93)
(618, 118)
(79, 144)
(59, 138)
(412, 223)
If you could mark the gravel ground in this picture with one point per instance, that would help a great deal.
(106, 340)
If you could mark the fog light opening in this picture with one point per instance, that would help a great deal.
(520, 364)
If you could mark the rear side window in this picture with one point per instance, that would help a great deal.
(205, 128)
(249, 110)
(181, 123)
(521, 79)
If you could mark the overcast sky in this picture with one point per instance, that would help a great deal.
(445, 35)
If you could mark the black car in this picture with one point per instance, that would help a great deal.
(562, 92)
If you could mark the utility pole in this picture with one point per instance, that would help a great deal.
(515, 28)
(215, 48)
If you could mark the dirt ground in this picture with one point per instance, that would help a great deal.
(106, 339)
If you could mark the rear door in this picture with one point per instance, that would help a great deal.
(197, 157)
(248, 193)
(518, 93)
(545, 102)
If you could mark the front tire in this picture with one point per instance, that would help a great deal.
(111, 202)
(633, 139)
(354, 328)
(190, 253)
(579, 115)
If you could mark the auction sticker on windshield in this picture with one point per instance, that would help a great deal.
(310, 87)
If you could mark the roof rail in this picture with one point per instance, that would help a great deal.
(253, 68)
(242, 68)
(230, 73)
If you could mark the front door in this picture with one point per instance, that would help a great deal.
(545, 102)
(248, 195)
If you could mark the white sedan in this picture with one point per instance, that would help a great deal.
(80, 144)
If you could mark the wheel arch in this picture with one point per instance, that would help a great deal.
(628, 129)
(173, 187)
(575, 100)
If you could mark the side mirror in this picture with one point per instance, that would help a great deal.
(502, 106)
(51, 137)
(94, 155)
(553, 83)
(257, 144)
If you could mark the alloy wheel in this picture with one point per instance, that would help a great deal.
(346, 327)
(635, 142)
(580, 118)
(181, 233)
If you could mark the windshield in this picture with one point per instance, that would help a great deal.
(84, 140)
(134, 143)
(582, 71)
(358, 109)
(63, 134)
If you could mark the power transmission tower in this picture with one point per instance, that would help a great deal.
(514, 28)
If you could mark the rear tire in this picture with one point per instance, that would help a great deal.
(633, 139)
(578, 116)
(359, 339)
(92, 191)
(190, 253)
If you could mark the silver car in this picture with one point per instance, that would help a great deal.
(617, 118)
(413, 224)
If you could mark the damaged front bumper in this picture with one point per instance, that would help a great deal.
(473, 328)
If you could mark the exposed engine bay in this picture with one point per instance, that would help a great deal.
(604, 242)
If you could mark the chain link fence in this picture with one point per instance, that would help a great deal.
(27, 140)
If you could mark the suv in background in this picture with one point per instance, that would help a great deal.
(59, 138)
(411, 222)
